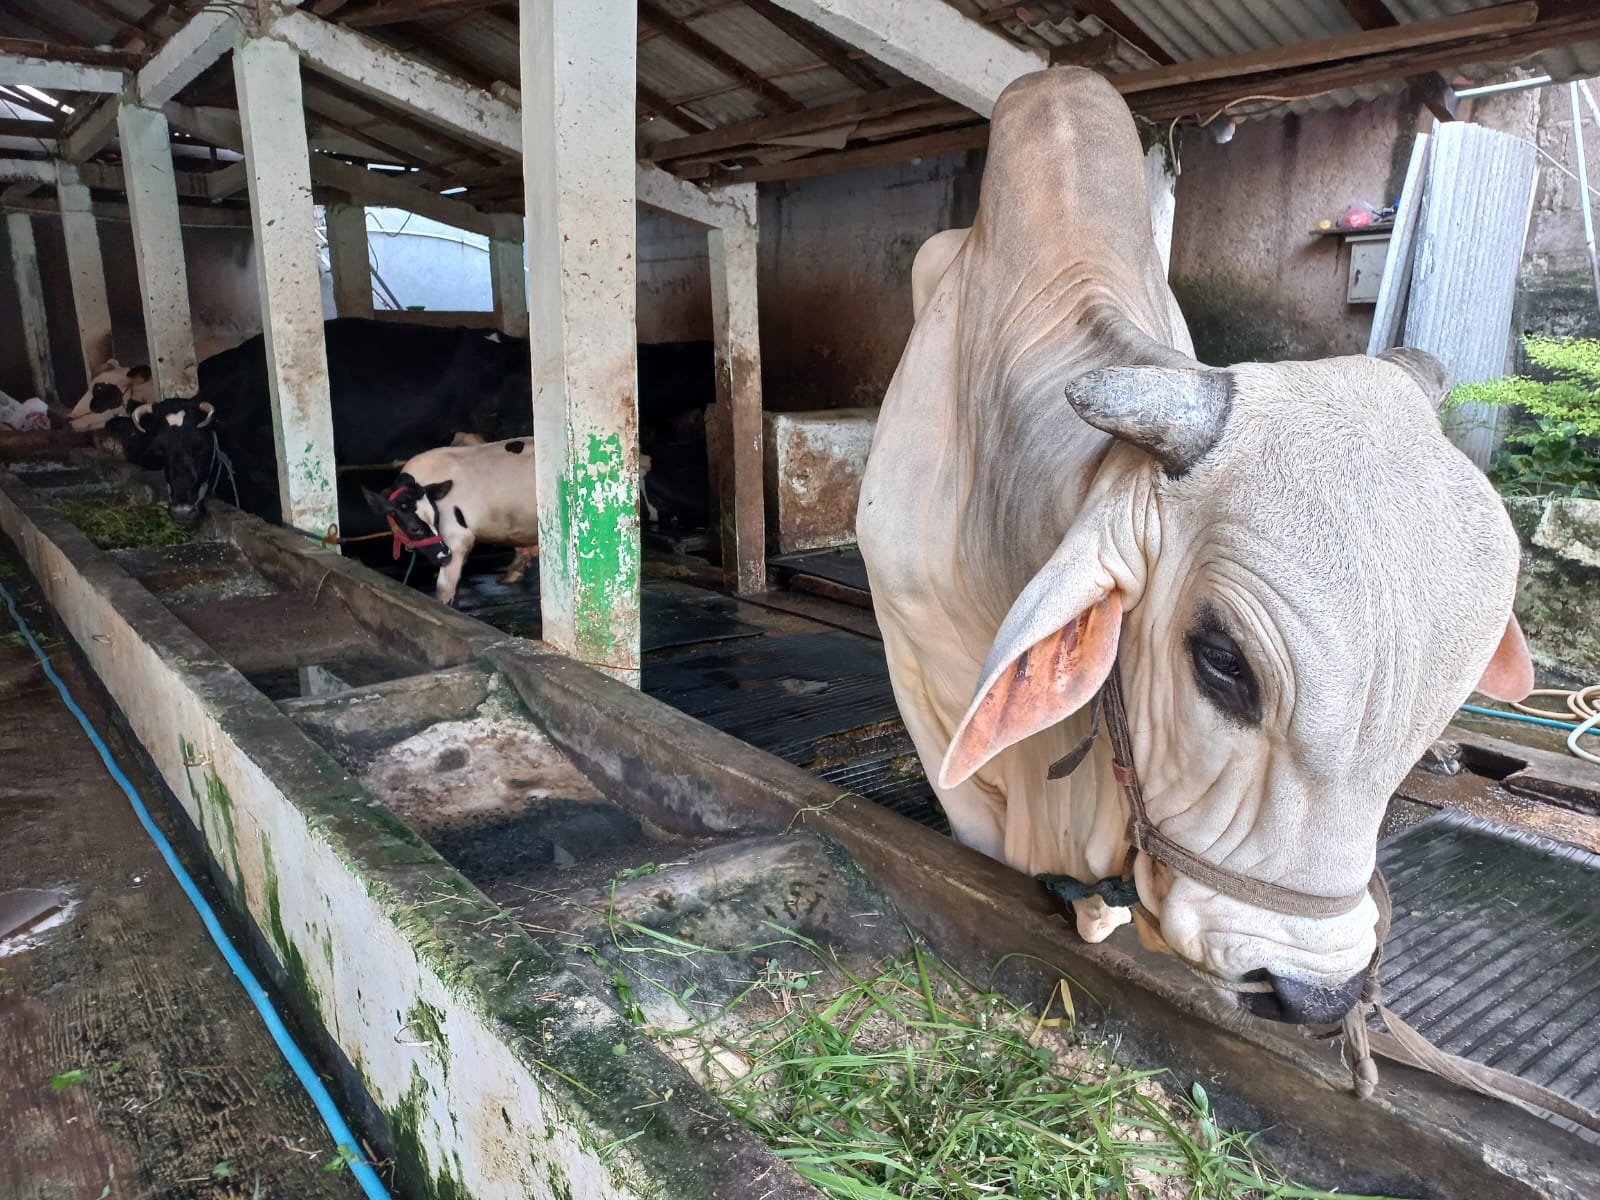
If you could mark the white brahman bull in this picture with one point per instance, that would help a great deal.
(1301, 577)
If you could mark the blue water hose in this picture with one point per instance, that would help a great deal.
(304, 1072)
(1531, 720)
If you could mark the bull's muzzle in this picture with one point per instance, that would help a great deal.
(1302, 1002)
(187, 515)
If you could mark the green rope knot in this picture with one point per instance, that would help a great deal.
(1119, 893)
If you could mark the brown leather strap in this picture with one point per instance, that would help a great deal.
(1143, 834)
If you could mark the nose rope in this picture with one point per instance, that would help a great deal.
(402, 539)
(1396, 1041)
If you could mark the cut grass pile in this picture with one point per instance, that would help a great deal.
(113, 524)
(912, 1083)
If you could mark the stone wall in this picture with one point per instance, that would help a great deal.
(1558, 595)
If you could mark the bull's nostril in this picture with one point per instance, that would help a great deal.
(1303, 1001)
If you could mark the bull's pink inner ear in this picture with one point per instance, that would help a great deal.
(1509, 675)
(1046, 683)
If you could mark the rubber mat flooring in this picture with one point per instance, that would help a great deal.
(820, 700)
(836, 564)
(1494, 953)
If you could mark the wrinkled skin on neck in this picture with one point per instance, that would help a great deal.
(1360, 566)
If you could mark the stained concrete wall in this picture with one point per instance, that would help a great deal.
(835, 276)
(1254, 280)
(222, 296)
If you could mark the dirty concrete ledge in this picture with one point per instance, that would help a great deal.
(483, 1067)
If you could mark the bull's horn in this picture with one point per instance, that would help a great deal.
(1174, 414)
(140, 413)
(207, 412)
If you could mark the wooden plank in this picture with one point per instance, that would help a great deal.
(761, 130)
(679, 32)
(1406, 36)
(1474, 218)
(1396, 282)
(662, 107)
(394, 12)
(1090, 52)
(970, 137)
(824, 47)
(349, 259)
(23, 127)
(1115, 19)
(56, 52)
(1205, 98)
(1432, 89)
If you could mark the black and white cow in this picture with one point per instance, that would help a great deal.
(396, 391)
(447, 500)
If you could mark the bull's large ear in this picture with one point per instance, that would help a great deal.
(1432, 376)
(1509, 675)
(930, 264)
(1174, 414)
(438, 491)
(376, 501)
(1052, 653)
(141, 373)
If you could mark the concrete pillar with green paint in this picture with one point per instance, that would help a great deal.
(578, 84)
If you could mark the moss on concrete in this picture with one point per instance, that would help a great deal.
(410, 1159)
(294, 965)
(1233, 322)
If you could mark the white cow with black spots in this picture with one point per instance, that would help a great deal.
(446, 501)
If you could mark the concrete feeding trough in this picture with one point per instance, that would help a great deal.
(391, 843)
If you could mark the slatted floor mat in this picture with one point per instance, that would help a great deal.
(1495, 950)
(838, 564)
(820, 700)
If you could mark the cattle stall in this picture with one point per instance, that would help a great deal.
(442, 831)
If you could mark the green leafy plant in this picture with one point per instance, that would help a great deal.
(1555, 446)
(345, 1158)
(66, 1079)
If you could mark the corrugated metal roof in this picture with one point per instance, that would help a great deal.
(481, 46)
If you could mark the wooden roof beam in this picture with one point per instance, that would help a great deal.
(667, 110)
(765, 129)
(395, 12)
(813, 39)
(936, 45)
(879, 154)
(1433, 89)
(1478, 23)
(679, 32)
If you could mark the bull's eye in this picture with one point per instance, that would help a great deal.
(1223, 675)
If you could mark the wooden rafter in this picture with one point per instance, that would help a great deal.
(813, 39)
(970, 137)
(83, 55)
(766, 129)
(1088, 52)
(112, 17)
(667, 110)
(1433, 90)
(1469, 25)
(679, 32)
(1203, 99)
(1115, 19)
(394, 12)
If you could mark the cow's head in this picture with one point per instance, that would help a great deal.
(412, 510)
(1302, 579)
(109, 392)
(176, 437)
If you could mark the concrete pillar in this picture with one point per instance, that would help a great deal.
(87, 270)
(30, 298)
(350, 259)
(508, 278)
(158, 247)
(735, 327)
(578, 85)
(267, 79)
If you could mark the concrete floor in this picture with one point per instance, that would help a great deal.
(131, 1062)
